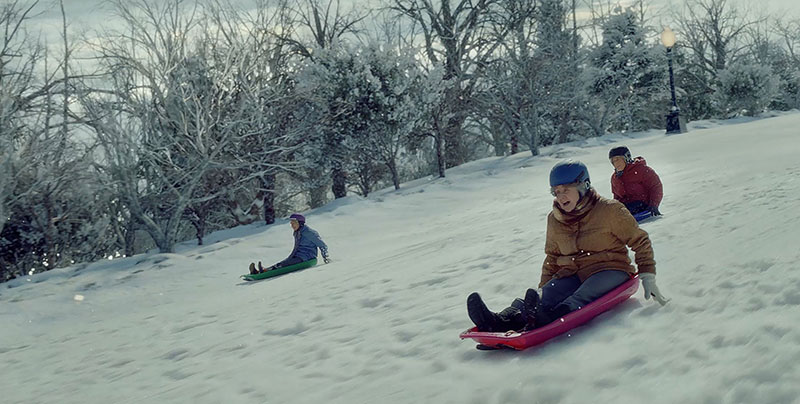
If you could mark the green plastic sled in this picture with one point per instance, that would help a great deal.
(280, 271)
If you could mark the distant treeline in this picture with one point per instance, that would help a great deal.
(188, 117)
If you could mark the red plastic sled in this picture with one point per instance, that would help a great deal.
(526, 339)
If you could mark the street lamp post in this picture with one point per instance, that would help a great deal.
(675, 122)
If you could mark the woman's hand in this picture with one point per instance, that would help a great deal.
(650, 288)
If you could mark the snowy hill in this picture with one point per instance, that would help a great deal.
(380, 324)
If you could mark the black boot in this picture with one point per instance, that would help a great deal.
(530, 307)
(511, 317)
(544, 317)
(483, 318)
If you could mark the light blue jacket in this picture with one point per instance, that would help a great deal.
(306, 242)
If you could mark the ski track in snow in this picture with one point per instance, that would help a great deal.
(381, 322)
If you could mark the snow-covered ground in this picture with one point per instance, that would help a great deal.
(380, 323)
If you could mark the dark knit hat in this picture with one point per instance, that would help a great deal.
(296, 216)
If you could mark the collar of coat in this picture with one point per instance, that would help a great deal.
(583, 207)
(638, 161)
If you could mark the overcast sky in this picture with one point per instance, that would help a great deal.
(90, 13)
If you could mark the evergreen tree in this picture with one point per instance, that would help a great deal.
(553, 58)
(746, 89)
(627, 75)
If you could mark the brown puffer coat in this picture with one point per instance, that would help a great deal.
(592, 238)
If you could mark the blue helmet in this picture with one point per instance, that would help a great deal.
(570, 172)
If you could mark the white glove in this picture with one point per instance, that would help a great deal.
(650, 288)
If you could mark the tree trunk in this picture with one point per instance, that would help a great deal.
(317, 196)
(49, 230)
(533, 133)
(197, 216)
(162, 242)
(268, 187)
(562, 120)
(363, 186)
(534, 145)
(339, 177)
(395, 177)
(318, 190)
(454, 150)
(130, 240)
(440, 161)
(200, 231)
(497, 133)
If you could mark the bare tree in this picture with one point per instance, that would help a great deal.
(599, 11)
(462, 37)
(789, 36)
(507, 100)
(320, 24)
(47, 197)
(18, 58)
(713, 31)
(162, 127)
(788, 44)
(263, 88)
(326, 21)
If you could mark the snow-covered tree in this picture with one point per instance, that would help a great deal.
(375, 99)
(506, 101)
(260, 45)
(47, 197)
(626, 78)
(711, 35)
(785, 63)
(19, 57)
(8, 152)
(163, 127)
(746, 89)
(462, 37)
(556, 58)
(338, 88)
(405, 96)
(310, 27)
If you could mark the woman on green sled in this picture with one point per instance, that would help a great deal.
(306, 242)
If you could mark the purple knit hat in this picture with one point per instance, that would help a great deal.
(296, 216)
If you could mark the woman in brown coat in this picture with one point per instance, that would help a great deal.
(587, 256)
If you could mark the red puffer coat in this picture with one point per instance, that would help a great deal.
(638, 182)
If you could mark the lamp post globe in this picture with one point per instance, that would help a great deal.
(668, 38)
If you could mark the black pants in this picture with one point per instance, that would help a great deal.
(568, 292)
(636, 207)
(574, 294)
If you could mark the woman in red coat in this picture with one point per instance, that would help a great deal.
(634, 183)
